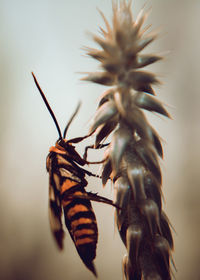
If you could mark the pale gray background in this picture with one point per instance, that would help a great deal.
(46, 37)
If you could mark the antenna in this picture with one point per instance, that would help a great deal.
(49, 108)
(71, 119)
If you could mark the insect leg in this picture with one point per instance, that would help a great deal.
(94, 197)
(79, 139)
(90, 173)
(100, 146)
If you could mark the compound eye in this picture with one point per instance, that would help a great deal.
(60, 142)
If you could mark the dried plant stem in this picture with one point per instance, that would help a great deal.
(132, 156)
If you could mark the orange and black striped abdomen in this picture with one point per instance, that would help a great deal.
(68, 179)
(81, 223)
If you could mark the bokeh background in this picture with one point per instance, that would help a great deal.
(47, 36)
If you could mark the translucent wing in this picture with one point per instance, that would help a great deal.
(55, 210)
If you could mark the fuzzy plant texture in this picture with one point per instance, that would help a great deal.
(132, 156)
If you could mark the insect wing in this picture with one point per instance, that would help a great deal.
(55, 211)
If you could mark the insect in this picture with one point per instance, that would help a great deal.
(67, 193)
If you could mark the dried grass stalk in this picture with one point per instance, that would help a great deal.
(132, 156)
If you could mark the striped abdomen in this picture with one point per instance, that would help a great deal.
(68, 181)
(81, 223)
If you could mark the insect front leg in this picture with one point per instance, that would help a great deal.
(100, 146)
(79, 139)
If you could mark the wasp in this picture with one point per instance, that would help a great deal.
(67, 194)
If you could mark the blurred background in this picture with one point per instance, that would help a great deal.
(47, 37)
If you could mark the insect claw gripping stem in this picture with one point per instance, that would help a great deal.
(100, 146)
(135, 147)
